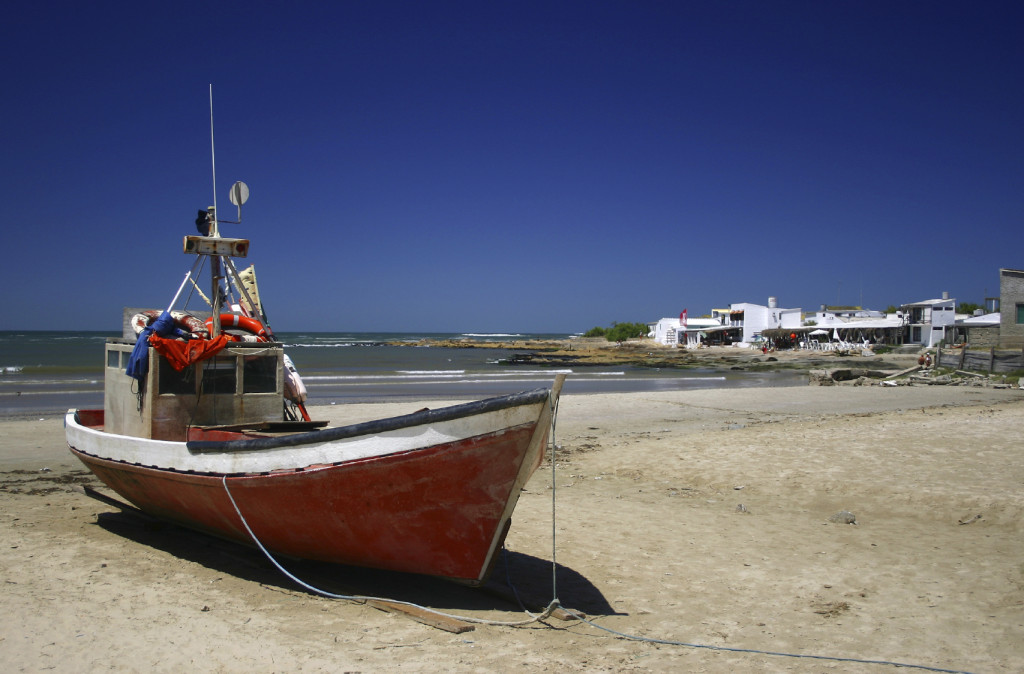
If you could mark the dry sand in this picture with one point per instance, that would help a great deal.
(651, 541)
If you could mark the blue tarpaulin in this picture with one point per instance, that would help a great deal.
(138, 362)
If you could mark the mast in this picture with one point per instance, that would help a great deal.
(215, 272)
(212, 244)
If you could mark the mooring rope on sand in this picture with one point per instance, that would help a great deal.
(754, 651)
(546, 613)
(555, 604)
(363, 598)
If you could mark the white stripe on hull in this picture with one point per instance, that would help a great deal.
(176, 456)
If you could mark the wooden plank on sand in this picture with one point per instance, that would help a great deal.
(904, 372)
(423, 616)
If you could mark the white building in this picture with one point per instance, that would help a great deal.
(825, 316)
(670, 332)
(926, 321)
(751, 320)
(859, 326)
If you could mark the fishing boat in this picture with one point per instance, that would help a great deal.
(204, 425)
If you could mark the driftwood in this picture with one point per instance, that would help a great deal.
(931, 381)
(904, 372)
(421, 615)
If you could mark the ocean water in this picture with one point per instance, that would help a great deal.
(45, 373)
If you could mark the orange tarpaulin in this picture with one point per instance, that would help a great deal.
(182, 354)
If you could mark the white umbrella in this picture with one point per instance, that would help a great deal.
(819, 331)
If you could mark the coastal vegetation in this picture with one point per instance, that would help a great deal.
(619, 332)
(968, 307)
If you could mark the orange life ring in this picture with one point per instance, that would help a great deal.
(235, 321)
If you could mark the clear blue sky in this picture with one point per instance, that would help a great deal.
(512, 166)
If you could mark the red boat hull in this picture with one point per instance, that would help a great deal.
(441, 510)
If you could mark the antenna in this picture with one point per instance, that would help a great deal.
(214, 230)
(239, 191)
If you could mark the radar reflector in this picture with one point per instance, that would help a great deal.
(239, 193)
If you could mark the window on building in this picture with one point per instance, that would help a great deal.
(1020, 314)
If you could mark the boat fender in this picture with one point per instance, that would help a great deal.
(294, 389)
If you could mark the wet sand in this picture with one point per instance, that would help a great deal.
(651, 541)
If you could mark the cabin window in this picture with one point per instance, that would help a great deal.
(259, 374)
(113, 360)
(219, 375)
(172, 381)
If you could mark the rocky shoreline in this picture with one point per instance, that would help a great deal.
(824, 368)
(646, 353)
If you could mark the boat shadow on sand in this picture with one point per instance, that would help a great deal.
(517, 577)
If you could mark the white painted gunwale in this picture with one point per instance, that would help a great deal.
(176, 456)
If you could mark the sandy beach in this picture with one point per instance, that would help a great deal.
(696, 517)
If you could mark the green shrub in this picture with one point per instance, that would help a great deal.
(967, 307)
(620, 332)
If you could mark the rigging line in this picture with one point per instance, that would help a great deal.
(191, 278)
(200, 263)
(248, 352)
(554, 565)
(191, 291)
(181, 288)
(201, 293)
(754, 651)
(546, 613)
(198, 382)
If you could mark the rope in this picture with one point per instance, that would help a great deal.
(364, 598)
(546, 613)
(832, 658)
(555, 603)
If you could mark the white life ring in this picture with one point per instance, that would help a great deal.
(182, 319)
